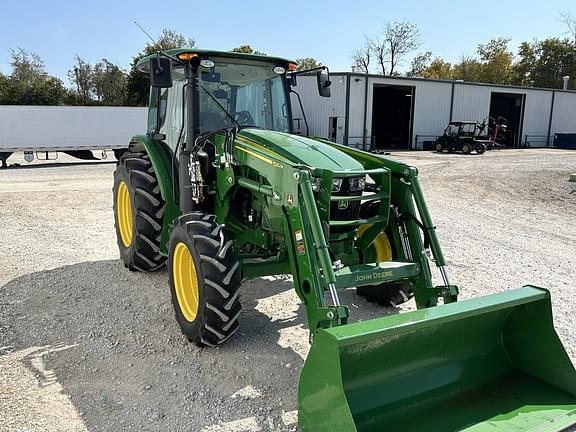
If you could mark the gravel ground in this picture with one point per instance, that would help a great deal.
(87, 346)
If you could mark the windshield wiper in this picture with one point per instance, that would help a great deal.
(220, 105)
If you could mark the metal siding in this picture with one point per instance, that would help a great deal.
(471, 102)
(69, 128)
(319, 109)
(431, 110)
(564, 118)
(536, 116)
(356, 114)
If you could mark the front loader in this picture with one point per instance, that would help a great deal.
(220, 191)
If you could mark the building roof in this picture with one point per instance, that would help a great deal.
(417, 79)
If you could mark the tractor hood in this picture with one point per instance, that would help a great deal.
(299, 150)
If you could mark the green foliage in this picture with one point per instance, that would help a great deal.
(438, 69)
(544, 63)
(420, 63)
(28, 83)
(496, 61)
(109, 83)
(307, 63)
(81, 77)
(246, 49)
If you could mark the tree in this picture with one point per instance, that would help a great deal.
(420, 63)
(26, 66)
(80, 77)
(169, 39)
(137, 87)
(400, 38)
(555, 58)
(379, 50)
(307, 63)
(438, 69)
(391, 47)
(569, 21)
(29, 84)
(468, 69)
(361, 57)
(246, 49)
(496, 61)
(523, 69)
(109, 83)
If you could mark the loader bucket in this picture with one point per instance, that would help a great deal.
(489, 364)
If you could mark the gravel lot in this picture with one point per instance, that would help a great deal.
(87, 346)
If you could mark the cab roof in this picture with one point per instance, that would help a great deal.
(142, 64)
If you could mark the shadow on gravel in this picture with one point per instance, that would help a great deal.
(129, 367)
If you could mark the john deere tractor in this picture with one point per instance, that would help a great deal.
(221, 192)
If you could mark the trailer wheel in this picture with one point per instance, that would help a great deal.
(480, 148)
(138, 213)
(204, 274)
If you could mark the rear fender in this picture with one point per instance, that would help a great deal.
(161, 163)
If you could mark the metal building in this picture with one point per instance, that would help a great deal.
(375, 111)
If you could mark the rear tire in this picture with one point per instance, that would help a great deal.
(480, 148)
(204, 274)
(138, 212)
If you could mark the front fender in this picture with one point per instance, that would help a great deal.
(161, 163)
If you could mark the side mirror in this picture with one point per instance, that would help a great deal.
(324, 83)
(161, 72)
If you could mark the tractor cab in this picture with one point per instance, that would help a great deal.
(225, 90)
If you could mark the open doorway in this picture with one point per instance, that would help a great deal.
(508, 108)
(392, 115)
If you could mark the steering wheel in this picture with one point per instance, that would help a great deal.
(244, 118)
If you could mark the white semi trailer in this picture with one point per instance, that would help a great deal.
(43, 131)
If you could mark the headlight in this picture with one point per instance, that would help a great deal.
(357, 184)
(336, 184)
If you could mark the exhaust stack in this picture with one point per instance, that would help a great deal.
(565, 85)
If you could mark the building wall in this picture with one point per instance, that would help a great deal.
(564, 116)
(432, 100)
(319, 109)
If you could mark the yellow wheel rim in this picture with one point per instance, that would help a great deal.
(124, 214)
(381, 244)
(185, 281)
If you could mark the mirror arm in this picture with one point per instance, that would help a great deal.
(311, 70)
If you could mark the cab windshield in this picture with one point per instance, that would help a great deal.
(245, 93)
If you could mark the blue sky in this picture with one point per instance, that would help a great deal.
(58, 30)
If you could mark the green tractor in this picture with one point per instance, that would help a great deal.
(221, 192)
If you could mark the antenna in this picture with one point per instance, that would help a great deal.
(145, 32)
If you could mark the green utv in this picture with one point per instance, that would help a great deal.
(221, 191)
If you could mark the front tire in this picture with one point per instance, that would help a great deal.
(138, 212)
(439, 147)
(204, 274)
(388, 293)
